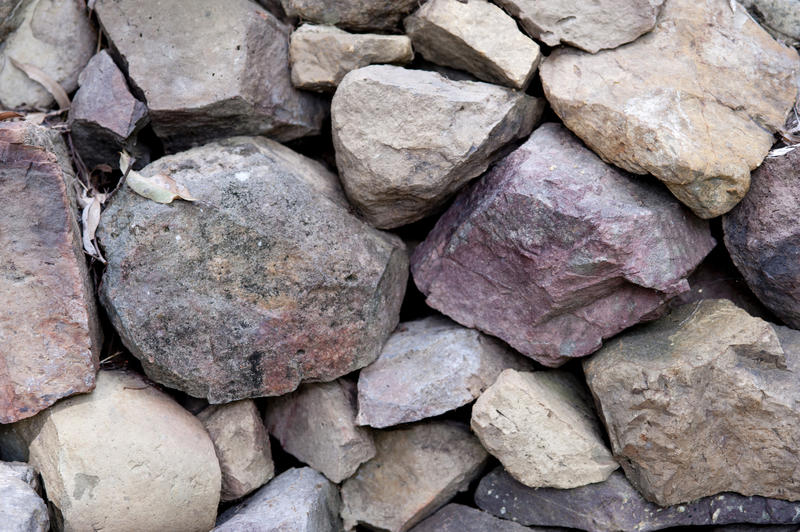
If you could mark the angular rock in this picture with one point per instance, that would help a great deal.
(242, 446)
(460, 518)
(357, 15)
(317, 425)
(780, 17)
(268, 280)
(701, 120)
(553, 250)
(50, 338)
(762, 235)
(475, 36)
(542, 428)
(416, 470)
(21, 508)
(54, 36)
(299, 500)
(239, 86)
(428, 367)
(407, 140)
(320, 56)
(691, 414)
(11, 14)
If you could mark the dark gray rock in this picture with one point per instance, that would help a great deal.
(460, 518)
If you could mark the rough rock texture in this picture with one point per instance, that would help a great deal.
(49, 335)
(416, 470)
(21, 508)
(762, 235)
(553, 250)
(682, 406)
(104, 117)
(196, 92)
(428, 367)
(358, 15)
(700, 121)
(320, 56)
(242, 446)
(406, 140)
(11, 15)
(614, 505)
(54, 36)
(125, 457)
(266, 281)
(317, 425)
(780, 17)
(460, 518)
(475, 36)
(297, 500)
(542, 428)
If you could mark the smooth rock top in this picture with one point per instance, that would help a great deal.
(407, 140)
(694, 102)
(356, 15)
(21, 508)
(553, 250)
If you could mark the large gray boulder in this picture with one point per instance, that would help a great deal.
(21, 507)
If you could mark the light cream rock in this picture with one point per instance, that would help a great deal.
(542, 428)
(320, 56)
(476, 36)
(242, 445)
(694, 102)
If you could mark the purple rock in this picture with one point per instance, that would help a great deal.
(460, 518)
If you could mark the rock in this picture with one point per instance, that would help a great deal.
(428, 367)
(780, 17)
(21, 508)
(280, 282)
(407, 140)
(700, 121)
(460, 518)
(357, 15)
(320, 56)
(299, 500)
(242, 446)
(542, 428)
(553, 250)
(239, 86)
(50, 338)
(104, 117)
(125, 457)
(762, 235)
(475, 36)
(681, 405)
(317, 425)
(417, 469)
(11, 14)
(615, 505)
(54, 36)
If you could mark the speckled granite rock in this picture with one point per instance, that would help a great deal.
(21, 508)
(357, 15)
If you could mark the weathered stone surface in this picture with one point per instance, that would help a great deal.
(266, 281)
(614, 505)
(691, 414)
(780, 17)
(358, 15)
(416, 470)
(407, 140)
(297, 500)
(242, 446)
(54, 36)
(762, 235)
(317, 425)
(460, 518)
(49, 335)
(320, 56)
(700, 121)
(475, 36)
(11, 14)
(542, 428)
(21, 508)
(428, 367)
(553, 250)
(226, 72)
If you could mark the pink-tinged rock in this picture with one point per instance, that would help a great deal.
(49, 335)
(554, 250)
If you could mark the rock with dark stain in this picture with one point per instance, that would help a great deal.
(356, 15)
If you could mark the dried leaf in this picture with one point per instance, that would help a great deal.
(36, 118)
(39, 76)
(777, 152)
(159, 188)
(8, 115)
(90, 219)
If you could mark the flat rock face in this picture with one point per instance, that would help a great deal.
(475, 36)
(554, 250)
(49, 335)
(416, 470)
(701, 121)
(357, 15)
(320, 56)
(197, 92)
(317, 425)
(407, 140)
(429, 367)
(266, 281)
(542, 428)
(460, 518)
(762, 235)
(21, 508)
(681, 405)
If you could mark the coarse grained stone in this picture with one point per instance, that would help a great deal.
(357, 15)
(21, 508)
(554, 250)
(780, 17)
(11, 13)
(459, 518)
